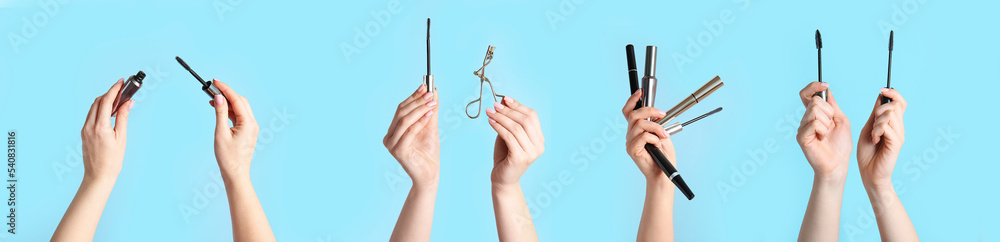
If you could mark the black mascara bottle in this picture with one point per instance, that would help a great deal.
(131, 86)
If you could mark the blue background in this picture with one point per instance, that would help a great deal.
(321, 171)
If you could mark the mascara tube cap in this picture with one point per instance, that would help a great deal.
(681, 185)
(674, 128)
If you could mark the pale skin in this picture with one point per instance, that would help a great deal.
(519, 142)
(657, 222)
(234, 148)
(825, 138)
(878, 149)
(103, 153)
(413, 140)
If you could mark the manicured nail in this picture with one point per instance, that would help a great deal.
(508, 99)
(131, 104)
(218, 98)
(429, 113)
(492, 121)
(428, 95)
(120, 80)
(637, 91)
(498, 106)
(421, 87)
(432, 103)
(883, 89)
(661, 112)
(825, 84)
(490, 111)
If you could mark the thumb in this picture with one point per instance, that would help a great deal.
(121, 118)
(221, 115)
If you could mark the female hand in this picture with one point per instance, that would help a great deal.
(825, 133)
(234, 146)
(413, 137)
(104, 144)
(881, 139)
(641, 131)
(519, 140)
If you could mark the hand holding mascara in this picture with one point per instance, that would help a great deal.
(825, 138)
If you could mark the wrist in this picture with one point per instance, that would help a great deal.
(230, 177)
(99, 180)
(829, 179)
(503, 188)
(431, 185)
(659, 183)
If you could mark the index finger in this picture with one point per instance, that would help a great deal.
(806, 94)
(104, 111)
(632, 101)
(895, 96)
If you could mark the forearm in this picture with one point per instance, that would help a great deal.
(657, 223)
(249, 221)
(417, 215)
(822, 218)
(893, 222)
(81, 218)
(513, 218)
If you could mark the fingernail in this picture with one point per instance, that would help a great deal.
(825, 84)
(428, 95)
(883, 89)
(498, 106)
(637, 91)
(667, 133)
(432, 103)
(492, 121)
(661, 112)
(490, 110)
(218, 99)
(508, 99)
(131, 104)
(121, 80)
(421, 87)
(429, 113)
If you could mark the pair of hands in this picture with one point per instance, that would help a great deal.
(413, 138)
(825, 137)
(104, 144)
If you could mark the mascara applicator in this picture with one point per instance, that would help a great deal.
(678, 127)
(888, 78)
(429, 79)
(819, 63)
(207, 86)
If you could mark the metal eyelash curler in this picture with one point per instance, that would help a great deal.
(481, 73)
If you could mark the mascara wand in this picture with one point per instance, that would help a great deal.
(429, 79)
(888, 78)
(678, 127)
(819, 63)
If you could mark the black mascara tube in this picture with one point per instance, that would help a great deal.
(658, 157)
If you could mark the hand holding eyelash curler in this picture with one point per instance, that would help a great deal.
(481, 73)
